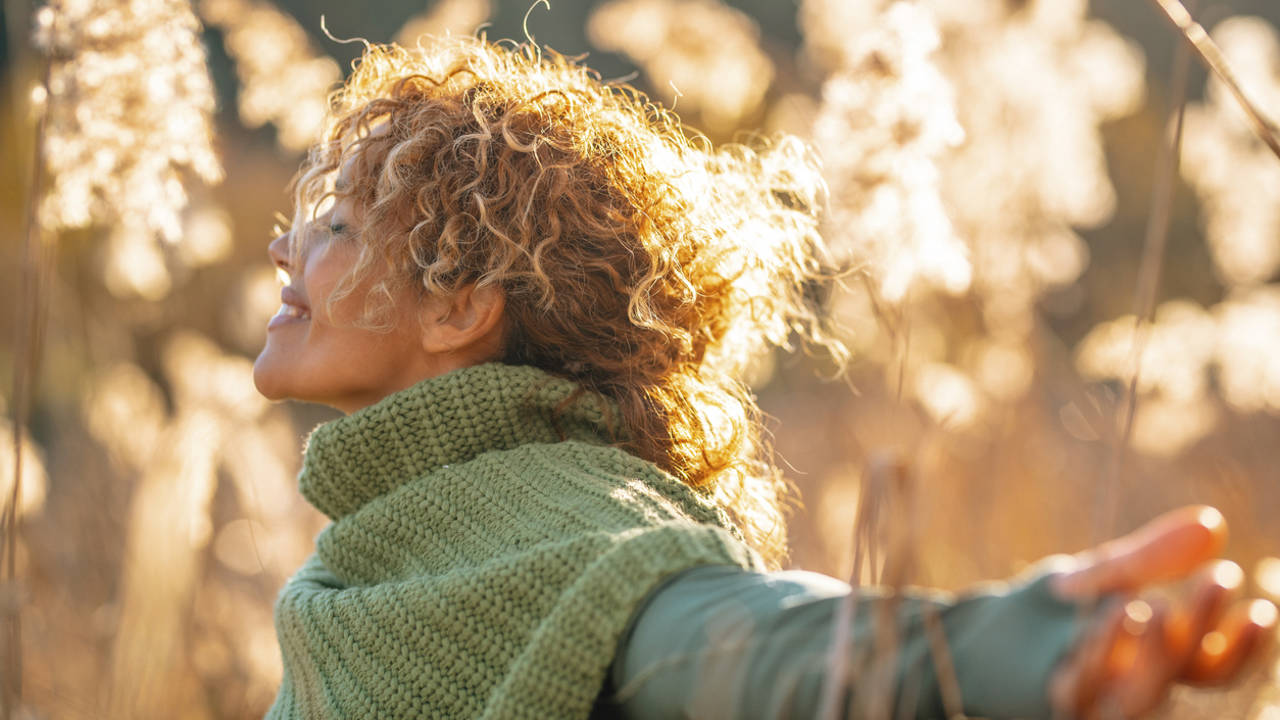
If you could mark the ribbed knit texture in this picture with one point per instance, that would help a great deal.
(487, 550)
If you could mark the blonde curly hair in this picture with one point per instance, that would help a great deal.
(634, 260)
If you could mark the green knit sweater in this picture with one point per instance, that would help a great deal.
(487, 550)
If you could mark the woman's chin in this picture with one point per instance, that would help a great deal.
(269, 378)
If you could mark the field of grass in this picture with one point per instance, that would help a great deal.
(1060, 327)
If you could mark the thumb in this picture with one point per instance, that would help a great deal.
(1167, 548)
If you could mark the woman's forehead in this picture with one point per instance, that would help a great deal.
(344, 182)
(358, 159)
(345, 177)
(357, 152)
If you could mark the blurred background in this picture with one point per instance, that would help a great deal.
(990, 163)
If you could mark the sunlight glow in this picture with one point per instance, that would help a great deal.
(709, 51)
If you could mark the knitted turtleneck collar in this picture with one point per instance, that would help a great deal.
(477, 566)
(443, 421)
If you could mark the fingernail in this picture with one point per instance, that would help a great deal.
(1211, 518)
(1137, 613)
(1214, 643)
(1228, 574)
(1262, 613)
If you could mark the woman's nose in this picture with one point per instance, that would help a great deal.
(279, 251)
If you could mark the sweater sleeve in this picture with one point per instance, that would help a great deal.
(722, 642)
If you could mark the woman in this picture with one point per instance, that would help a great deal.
(533, 297)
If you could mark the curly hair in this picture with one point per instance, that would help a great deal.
(634, 260)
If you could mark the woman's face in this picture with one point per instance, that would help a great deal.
(315, 350)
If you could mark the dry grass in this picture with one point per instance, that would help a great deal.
(1216, 61)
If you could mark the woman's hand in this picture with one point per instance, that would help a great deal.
(1134, 653)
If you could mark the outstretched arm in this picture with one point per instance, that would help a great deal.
(722, 642)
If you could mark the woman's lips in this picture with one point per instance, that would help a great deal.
(288, 314)
(292, 310)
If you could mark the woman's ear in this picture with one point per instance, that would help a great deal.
(468, 324)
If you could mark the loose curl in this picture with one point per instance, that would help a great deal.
(640, 263)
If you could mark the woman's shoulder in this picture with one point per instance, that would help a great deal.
(588, 478)
(505, 502)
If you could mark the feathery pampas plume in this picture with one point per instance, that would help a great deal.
(127, 113)
(887, 115)
(704, 51)
(283, 80)
(1234, 174)
(128, 110)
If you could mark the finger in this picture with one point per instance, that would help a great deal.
(1215, 588)
(1169, 547)
(1145, 682)
(1077, 682)
(1246, 632)
(1127, 645)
